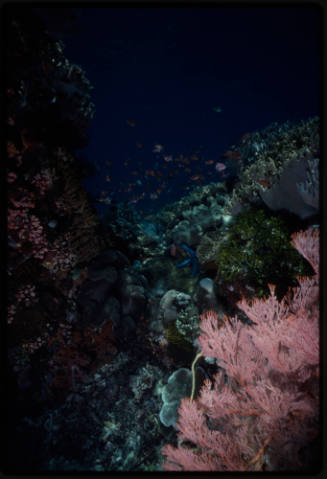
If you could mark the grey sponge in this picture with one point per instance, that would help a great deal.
(179, 386)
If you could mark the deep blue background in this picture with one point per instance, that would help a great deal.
(166, 68)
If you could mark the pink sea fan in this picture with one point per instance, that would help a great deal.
(215, 451)
(307, 244)
(229, 426)
(231, 344)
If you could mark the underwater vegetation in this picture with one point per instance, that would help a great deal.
(178, 346)
(256, 250)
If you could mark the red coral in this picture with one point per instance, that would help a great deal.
(42, 181)
(24, 227)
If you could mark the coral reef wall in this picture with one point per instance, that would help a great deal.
(53, 229)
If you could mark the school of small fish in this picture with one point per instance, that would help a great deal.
(168, 172)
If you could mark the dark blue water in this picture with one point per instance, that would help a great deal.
(159, 75)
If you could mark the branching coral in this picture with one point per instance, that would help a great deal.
(267, 411)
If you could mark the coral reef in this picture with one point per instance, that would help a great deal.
(266, 155)
(52, 226)
(189, 218)
(101, 315)
(267, 412)
(254, 251)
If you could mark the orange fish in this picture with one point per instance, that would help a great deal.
(139, 144)
(197, 177)
(188, 170)
(131, 123)
(108, 178)
(265, 183)
(231, 154)
(134, 172)
(150, 172)
(159, 174)
(103, 193)
(244, 136)
(209, 162)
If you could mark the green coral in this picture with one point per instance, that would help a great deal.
(208, 247)
(256, 250)
(187, 323)
(175, 338)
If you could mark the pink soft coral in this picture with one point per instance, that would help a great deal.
(230, 425)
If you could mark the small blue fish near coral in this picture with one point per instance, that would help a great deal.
(191, 260)
(217, 109)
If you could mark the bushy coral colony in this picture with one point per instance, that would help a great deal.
(244, 420)
(186, 340)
